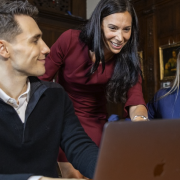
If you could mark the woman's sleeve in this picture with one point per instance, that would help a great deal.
(56, 57)
(134, 97)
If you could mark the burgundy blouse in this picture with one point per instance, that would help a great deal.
(70, 59)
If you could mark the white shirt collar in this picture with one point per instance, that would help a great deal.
(7, 99)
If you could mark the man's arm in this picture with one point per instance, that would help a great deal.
(14, 176)
(80, 150)
(25, 177)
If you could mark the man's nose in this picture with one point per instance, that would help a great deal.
(45, 49)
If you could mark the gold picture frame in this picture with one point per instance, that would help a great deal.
(168, 60)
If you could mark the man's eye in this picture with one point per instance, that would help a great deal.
(35, 41)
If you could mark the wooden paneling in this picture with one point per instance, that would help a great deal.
(159, 22)
(165, 15)
(177, 15)
(53, 25)
(53, 20)
(79, 8)
(58, 6)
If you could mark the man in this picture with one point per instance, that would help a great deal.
(35, 117)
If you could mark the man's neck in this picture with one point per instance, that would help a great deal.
(13, 86)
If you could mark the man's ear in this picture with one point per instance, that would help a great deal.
(4, 49)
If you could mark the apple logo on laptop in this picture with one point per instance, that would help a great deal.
(159, 169)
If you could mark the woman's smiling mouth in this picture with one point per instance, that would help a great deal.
(116, 45)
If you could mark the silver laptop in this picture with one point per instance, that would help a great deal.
(140, 151)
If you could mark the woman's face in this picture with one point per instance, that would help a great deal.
(116, 31)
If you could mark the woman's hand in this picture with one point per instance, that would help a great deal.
(138, 113)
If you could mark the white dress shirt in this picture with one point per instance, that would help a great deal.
(19, 106)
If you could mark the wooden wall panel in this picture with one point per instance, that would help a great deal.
(159, 21)
(165, 21)
(139, 5)
(161, 2)
(53, 22)
(53, 27)
(177, 15)
(165, 40)
(79, 8)
(47, 36)
(178, 38)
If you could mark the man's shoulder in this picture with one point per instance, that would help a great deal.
(51, 84)
(36, 82)
(46, 92)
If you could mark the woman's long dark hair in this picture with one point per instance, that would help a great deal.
(127, 66)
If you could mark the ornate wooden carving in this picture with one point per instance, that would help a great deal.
(61, 6)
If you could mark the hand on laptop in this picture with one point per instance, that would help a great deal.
(138, 113)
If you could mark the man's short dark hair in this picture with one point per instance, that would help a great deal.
(9, 27)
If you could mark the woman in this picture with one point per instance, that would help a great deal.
(166, 102)
(97, 63)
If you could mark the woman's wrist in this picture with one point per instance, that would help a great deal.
(140, 118)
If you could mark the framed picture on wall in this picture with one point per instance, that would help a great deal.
(168, 60)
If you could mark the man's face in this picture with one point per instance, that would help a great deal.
(27, 50)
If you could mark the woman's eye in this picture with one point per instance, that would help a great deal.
(111, 27)
(127, 29)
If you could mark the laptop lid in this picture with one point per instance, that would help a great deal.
(140, 151)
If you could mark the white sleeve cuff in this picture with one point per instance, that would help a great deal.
(34, 177)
